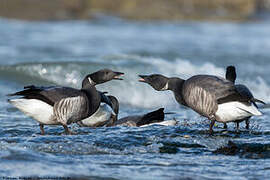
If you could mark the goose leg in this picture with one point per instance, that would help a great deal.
(41, 126)
(225, 126)
(237, 126)
(67, 131)
(247, 123)
(213, 120)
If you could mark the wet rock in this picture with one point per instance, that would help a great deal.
(168, 149)
(230, 149)
(247, 150)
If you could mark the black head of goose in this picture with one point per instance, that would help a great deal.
(162, 83)
(136, 120)
(154, 117)
(56, 105)
(100, 77)
(231, 74)
(243, 91)
(213, 97)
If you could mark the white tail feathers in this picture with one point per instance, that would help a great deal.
(37, 109)
(254, 110)
(232, 111)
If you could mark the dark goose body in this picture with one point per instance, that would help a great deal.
(103, 116)
(63, 105)
(140, 120)
(213, 97)
(52, 106)
(151, 118)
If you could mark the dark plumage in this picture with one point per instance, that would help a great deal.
(137, 120)
(141, 120)
(231, 74)
(63, 105)
(208, 95)
(101, 117)
(243, 91)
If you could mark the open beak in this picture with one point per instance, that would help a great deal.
(142, 78)
(118, 75)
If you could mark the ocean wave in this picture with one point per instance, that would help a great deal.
(129, 91)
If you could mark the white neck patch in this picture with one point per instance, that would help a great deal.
(165, 87)
(90, 80)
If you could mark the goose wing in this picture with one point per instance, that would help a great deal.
(50, 95)
(105, 99)
(203, 93)
(71, 109)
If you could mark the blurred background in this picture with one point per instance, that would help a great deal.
(58, 42)
(134, 9)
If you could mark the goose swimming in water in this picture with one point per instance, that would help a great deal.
(63, 105)
(213, 97)
(231, 76)
(136, 120)
(151, 118)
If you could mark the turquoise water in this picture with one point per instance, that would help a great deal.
(61, 53)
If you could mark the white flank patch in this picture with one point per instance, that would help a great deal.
(90, 81)
(165, 87)
(102, 115)
(163, 123)
(37, 109)
(232, 111)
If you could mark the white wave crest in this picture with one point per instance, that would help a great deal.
(130, 91)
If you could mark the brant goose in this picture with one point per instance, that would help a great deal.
(105, 115)
(244, 91)
(214, 97)
(151, 118)
(141, 120)
(63, 105)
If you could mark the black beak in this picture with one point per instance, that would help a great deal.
(118, 75)
(142, 78)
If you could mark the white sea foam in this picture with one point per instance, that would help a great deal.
(130, 91)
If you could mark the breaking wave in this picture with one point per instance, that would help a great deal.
(129, 91)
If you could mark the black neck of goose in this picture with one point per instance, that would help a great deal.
(88, 82)
(175, 84)
(231, 76)
(92, 96)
